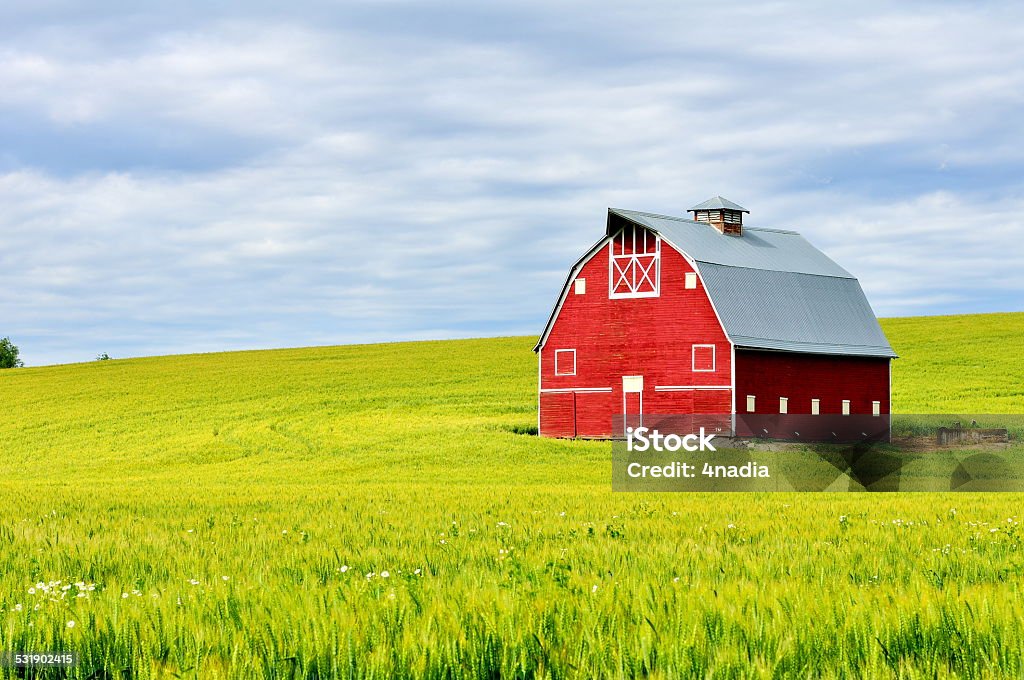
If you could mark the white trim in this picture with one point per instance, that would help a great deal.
(693, 359)
(633, 263)
(576, 268)
(876, 408)
(684, 388)
(553, 390)
(783, 405)
(639, 393)
(732, 384)
(573, 361)
(815, 407)
(718, 317)
(751, 401)
(540, 385)
(846, 407)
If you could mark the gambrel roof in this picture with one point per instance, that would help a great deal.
(771, 289)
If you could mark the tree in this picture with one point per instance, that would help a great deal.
(9, 354)
(103, 357)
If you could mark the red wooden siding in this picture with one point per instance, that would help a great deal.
(802, 377)
(652, 337)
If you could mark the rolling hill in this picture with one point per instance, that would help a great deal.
(376, 511)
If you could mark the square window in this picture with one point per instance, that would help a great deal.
(876, 408)
(751, 403)
(631, 384)
(815, 407)
(565, 362)
(580, 286)
(783, 405)
(846, 407)
(691, 280)
(703, 358)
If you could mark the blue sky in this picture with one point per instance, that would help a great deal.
(197, 178)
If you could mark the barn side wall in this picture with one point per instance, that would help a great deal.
(651, 337)
(802, 377)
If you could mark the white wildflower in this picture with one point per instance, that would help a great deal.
(344, 568)
(385, 574)
(71, 624)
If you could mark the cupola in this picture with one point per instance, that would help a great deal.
(720, 213)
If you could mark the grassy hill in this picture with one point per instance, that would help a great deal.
(371, 511)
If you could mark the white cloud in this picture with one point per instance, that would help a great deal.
(360, 173)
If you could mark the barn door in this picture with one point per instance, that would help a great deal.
(632, 400)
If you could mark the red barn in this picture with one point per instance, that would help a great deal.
(666, 315)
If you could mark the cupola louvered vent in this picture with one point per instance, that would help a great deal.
(722, 214)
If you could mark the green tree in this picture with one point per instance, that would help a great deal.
(9, 354)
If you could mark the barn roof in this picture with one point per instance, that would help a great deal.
(771, 289)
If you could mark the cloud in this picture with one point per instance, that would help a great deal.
(185, 179)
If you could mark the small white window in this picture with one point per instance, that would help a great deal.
(846, 407)
(815, 406)
(751, 403)
(876, 408)
(581, 286)
(565, 362)
(703, 359)
(691, 280)
(783, 405)
(631, 384)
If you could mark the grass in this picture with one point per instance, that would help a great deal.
(235, 515)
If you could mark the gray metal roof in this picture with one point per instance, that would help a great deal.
(771, 288)
(718, 203)
(783, 310)
(771, 249)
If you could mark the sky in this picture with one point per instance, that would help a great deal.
(215, 176)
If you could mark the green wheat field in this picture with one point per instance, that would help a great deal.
(381, 511)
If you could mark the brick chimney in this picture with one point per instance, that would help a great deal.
(722, 214)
